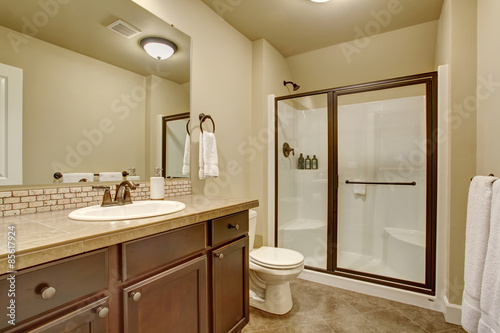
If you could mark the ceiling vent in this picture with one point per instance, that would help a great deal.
(124, 29)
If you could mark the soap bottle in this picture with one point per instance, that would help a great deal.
(157, 185)
(301, 163)
(308, 162)
(314, 162)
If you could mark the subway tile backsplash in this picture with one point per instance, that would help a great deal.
(19, 202)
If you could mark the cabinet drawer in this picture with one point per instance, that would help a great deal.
(229, 227)
(146, 254)
(70, 279)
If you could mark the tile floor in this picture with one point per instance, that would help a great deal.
(319, 308)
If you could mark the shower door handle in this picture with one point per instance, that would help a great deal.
(381, 183)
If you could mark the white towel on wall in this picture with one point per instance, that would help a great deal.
(490, 289)
(476, 239)
(187, 159)
(209, 163)
(110, 176)
(75, 177)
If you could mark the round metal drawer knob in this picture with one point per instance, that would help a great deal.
(136, 296)
(48, 292)
(234, 226)
(220, 255)
(102, 311)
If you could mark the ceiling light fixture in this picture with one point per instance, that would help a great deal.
(159, 48)
(320, 0)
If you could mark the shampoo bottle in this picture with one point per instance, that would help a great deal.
(314, 162)
(157, 185)
(308, 162)
(301, 162)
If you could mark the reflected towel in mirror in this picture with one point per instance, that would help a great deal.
(187, 160)
(110, 176)
(76, 177)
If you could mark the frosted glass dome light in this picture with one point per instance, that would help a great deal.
(159, 48)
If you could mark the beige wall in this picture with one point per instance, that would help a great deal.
(456, 46)
(270, 69)
(488, 70)
(379, 57)
(74, 117)
(221, 85)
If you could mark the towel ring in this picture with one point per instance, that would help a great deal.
(204, 117)
(187, 126)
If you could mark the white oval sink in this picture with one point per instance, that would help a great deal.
(135, 210)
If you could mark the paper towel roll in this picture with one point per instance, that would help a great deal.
(157, 188)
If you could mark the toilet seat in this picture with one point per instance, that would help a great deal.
(276, 258)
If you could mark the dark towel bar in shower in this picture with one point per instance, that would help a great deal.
(381, 183)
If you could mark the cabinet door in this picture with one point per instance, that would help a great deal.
(172, 301)
(90, 318)
(230, 287)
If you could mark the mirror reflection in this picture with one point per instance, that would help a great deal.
(93, 99)
(176, 146)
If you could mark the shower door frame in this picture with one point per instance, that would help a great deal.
(430, 81)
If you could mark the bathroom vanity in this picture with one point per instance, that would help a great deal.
(187, 271)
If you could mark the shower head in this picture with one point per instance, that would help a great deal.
(294, 85)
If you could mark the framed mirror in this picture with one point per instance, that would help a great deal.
(176, 138)
(91, 94)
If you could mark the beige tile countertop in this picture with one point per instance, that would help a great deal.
(43, 237)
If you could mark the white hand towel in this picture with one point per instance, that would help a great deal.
(110, 176)
(359, 188)
(201, 163)
(209, 164)
(77, 176)
(476, 239)
(490, 288)
(187, 159)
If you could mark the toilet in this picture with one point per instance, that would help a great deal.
(271, 270)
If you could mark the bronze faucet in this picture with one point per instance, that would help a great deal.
(122, 196)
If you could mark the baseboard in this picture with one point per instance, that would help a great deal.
(452, 312)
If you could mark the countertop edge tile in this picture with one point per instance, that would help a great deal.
(42, 256)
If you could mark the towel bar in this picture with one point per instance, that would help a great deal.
(491, 175)
(380, 183)
(59, 175)
(204, 117)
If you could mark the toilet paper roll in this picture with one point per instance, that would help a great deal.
(157, 188)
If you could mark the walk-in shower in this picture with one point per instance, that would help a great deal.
(366, 207)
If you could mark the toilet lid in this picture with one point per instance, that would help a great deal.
(274, 257)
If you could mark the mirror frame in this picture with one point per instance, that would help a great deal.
(165, 120)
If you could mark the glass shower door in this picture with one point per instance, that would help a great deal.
(302, 186)
(382, 164)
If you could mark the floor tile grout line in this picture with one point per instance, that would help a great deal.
(368, 320)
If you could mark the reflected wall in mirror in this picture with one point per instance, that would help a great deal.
(176, 140)
(91, 97)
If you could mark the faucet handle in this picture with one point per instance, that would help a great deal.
(106, 198)
(127, 196)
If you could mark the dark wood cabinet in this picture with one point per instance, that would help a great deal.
(172, 301)
(230, 287)
(192, 279)
(91, 318)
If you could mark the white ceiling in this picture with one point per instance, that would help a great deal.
(298, 26)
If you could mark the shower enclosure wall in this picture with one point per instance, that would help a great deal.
(368, 210)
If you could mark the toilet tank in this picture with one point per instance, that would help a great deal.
(252, 223)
